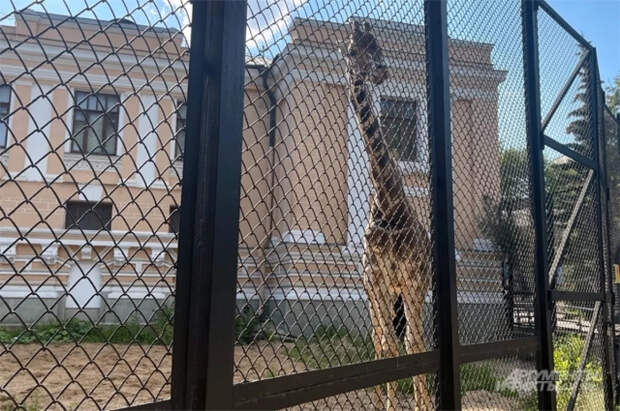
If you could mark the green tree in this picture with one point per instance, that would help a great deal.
(564, 180)
(613, 164)
(613, 94)
(507, 221)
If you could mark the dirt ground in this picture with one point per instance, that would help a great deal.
(33, 375)
(115, 376)
(139, 374)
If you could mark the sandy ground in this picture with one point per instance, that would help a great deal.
(33, 376)
(94, 376)
(369, 400)
(484, 400)
(139, 374)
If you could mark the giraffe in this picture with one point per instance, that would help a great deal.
(396, 244)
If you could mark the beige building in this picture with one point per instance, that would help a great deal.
(91, 168)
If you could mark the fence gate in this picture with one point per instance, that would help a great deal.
(382, 205)
(576, 226)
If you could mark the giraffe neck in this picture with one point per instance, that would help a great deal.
(385, 174)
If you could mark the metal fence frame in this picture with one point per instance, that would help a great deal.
(203, 354)
(205, 296)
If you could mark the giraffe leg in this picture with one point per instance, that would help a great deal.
(384, 336)
(389, 340)
(375, 331)
(389, 344)
(413, 300)
(371, 279)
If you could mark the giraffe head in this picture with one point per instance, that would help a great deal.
(364, 56)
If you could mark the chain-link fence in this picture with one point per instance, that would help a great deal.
(575, 184)
(91, 141)
(364, 210)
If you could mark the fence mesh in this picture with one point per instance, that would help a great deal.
(578, 355)
(373, 398)
(334, 261)
(493, 225)
(612, 136)
(92, 99)
(576, 247)
(311, 177)
(508, 383)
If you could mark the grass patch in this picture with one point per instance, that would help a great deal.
(484, 377)
(476, 377)
(248, 327)
(158, 332)
(331, 347)
(566, 357)
(32, 404)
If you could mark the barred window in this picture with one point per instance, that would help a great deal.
(180, 129)
(174, 220)
(95, 123)
(5, 104)
(86, 215)
(398, 122)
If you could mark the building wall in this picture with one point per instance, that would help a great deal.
(304, 195)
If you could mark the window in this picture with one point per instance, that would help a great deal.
(180, 130)
(95, 123)
(398, 122)
(174, 220)
(5, 106)
(88, 216)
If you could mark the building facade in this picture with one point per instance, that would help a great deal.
(91, 157)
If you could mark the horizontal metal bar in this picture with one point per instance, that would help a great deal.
(564, 90)
(570, 153)
(487, 351)
(294, 389)
(560, 20)
(161, 405)
(558, 295)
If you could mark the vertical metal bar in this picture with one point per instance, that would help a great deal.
(184, 280)
(207, 269)
(442, 232)
(613, 288)
(544, 358)
(601, 187)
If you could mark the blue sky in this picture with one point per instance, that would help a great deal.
(599, 22)
(491, 21)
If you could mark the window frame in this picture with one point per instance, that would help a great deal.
(416, 122)
(178, 149)
(81, 147)
(174, 210)
(72, 222)
(4, 117)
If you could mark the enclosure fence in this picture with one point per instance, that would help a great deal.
(313, 204)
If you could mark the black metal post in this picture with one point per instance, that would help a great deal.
(543, 309)
(601, 198)
(202, 374)
(442, 227)
(613, 286)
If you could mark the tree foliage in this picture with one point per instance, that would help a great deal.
(507, 220)
(564, 179)
(613, 94)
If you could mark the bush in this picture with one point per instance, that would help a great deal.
(248, 327)
(566, 357)
(158, 331)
